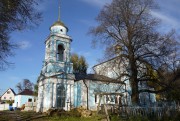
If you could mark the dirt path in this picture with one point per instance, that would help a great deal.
(19, 116)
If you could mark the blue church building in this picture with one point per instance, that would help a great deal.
(59, 88)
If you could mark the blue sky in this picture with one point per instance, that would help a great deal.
(78, 16)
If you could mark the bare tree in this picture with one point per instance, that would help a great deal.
(19, 87)
(15, 15)
(25, 84)
(129, 32)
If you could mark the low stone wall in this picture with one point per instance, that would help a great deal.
(4, 107)
(30, 106)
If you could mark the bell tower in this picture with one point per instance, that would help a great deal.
(56, 78)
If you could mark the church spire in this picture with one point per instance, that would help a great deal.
(58, 22)
(59, 12)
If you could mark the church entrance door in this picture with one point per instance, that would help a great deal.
(61, 96)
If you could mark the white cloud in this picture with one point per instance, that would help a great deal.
(170, 6)
(169, 13)
(165, 18)
(72, 50)
(84, 53)
(14, 78)
(24, 45)
(168, 22)
(43, 6)
(29, 59)
(88, 23)
(97, 3)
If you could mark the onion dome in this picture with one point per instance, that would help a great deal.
(117, 48)
(59, 27)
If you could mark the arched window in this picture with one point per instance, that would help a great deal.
(60, 53)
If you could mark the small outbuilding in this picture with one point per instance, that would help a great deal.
(26, 97)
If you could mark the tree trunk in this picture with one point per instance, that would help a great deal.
(135, 94)
(133, 77)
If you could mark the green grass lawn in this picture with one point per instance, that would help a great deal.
(68, 119)
(93, 118)
(12, 116)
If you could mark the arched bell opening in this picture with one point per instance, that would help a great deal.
(60, 53)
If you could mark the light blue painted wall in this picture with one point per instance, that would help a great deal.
(24, 99)
(77, 94)
(96, 87)
(15, 101)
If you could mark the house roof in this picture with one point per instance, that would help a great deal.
(26, 92)
(7, 90)
(96, 77)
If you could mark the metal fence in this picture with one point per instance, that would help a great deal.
(158, 109)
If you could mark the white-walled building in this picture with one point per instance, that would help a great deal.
(8, 95)
(115, 68)
(24, 97)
